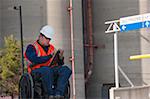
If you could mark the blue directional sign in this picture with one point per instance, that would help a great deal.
(134, 22)
(131, 23)
(133, 26)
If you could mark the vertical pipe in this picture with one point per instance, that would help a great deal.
(90, 36)
(72, 48)
(116, 59)
(90, 31)
(21, 34)
(84, 10)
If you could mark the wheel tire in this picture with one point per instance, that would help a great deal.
(26, 90)
(67, 91)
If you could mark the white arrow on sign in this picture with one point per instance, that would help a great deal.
(123, 27)
(147, 24)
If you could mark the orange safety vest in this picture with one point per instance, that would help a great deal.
(40, 52)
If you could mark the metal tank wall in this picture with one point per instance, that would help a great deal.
(32, 18)
(0, 23)
(36, 13)
(0, 14)
(129, 44)
(10, 18)
(58, 17)
(78, 45)
(145, 43)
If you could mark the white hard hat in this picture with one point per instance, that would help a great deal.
(47, 31)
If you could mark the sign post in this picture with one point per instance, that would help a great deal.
(115, 28)
(116, 59)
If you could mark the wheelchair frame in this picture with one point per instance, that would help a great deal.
(26, 88)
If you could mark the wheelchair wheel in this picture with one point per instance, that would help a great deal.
(67, 91)
(26, 90)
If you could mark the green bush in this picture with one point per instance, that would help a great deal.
(10, 65)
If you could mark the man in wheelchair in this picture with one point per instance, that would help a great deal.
(44, 64)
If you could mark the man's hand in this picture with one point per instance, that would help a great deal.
(61, 52)
(52, 54)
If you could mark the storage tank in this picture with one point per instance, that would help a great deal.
(0, 23)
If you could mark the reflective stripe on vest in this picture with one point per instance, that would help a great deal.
(40, 52)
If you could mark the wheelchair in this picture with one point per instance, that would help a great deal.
(31, 87)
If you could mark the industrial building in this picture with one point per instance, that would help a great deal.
(93, 48)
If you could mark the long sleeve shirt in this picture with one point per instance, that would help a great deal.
(32, 56)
